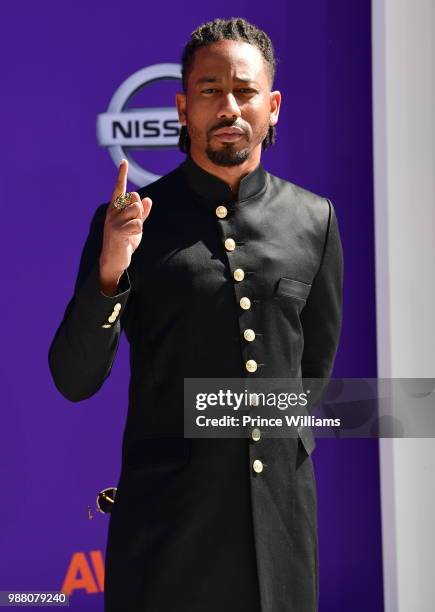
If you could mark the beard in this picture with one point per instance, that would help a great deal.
(227, 155)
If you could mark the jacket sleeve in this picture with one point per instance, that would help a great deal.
(84, 347)
(322, 316)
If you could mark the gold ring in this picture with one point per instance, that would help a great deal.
(122, 201)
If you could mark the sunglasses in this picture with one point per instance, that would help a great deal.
(105, 501)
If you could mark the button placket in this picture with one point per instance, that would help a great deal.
(248, 335)
(236, 259)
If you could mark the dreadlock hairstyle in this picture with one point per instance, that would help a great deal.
(214, 31)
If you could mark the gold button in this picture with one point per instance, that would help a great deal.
(245, 303)
(117, 307)
(239, 274)
(112, 317)
(251, 365)
(221, 212)
(256, 434)
(230, 245)
(257, 466)
(253, 400)
(249, 335)
(106, 326)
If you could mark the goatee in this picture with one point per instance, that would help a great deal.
(227, 156)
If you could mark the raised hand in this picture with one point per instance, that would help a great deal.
(122, 233)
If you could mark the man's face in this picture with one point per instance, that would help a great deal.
(228, 106)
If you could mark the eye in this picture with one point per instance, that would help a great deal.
(209, 90)
(246, 90)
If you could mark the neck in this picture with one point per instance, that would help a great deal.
(232, 175)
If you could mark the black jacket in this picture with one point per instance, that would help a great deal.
(194, 528)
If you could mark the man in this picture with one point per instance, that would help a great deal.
(234, 273)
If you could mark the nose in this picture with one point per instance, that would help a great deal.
(229, 107)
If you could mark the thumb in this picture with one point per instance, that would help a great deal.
(146, 207)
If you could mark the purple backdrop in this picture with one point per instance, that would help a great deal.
(62, 65)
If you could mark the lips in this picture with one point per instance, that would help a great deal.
(229, 130)
(228, 134)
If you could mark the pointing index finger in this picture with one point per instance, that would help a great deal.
(121, 181)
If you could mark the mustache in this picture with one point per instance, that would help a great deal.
(227, 123)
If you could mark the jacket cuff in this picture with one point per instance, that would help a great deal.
(97, 308)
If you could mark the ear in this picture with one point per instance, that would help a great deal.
(275, 104)
(180, 101)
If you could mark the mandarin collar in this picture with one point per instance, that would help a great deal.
(213, 190)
